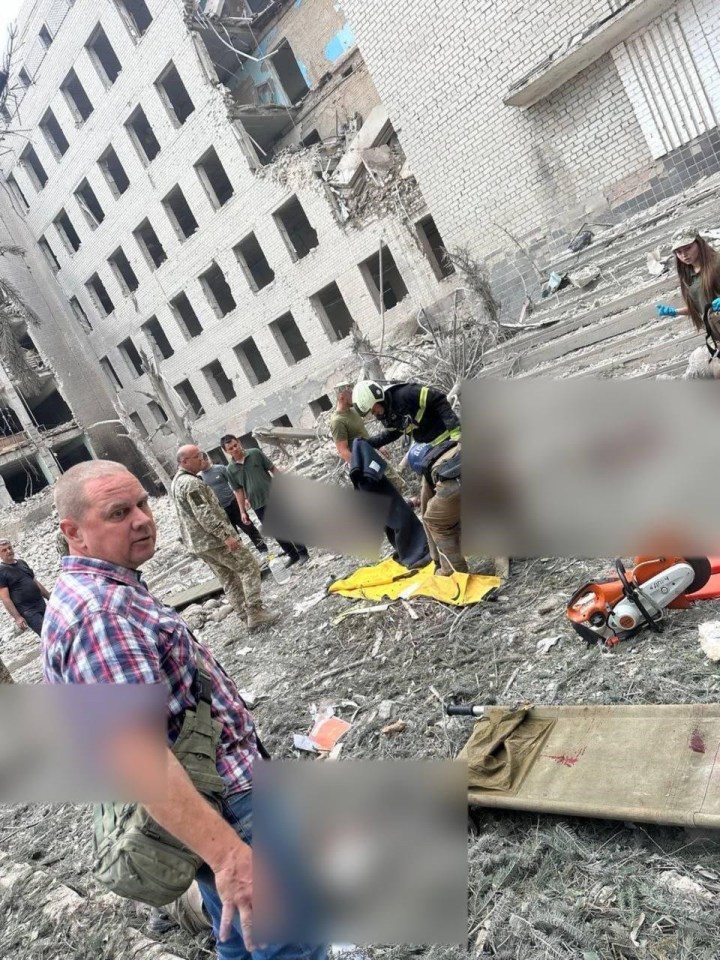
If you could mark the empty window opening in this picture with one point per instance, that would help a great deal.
(53, 133)
(49, 254)
(77, 99)
(51, 411)
(186, 317)
(68, 233)
(124, 273)
(334, 315)
(187, 394)
(103, 57)
(217, 455)
(69, 454)
(114, 172)
(217, 290)
(24, 78)
(150, 245)
(80, 315)
(253, 263)
(434, 248)
(221, 386)
(311, 138)
(157, 337)
(99, 295)
(251, 361)
(89, 204)
(45, 37)
(174, 95)
(5, 113)
(297, 231)
(283, 421)
(132, 357)
(24, 479)
(110, 372)
(291, 342)
(34, 169)
(139, 425)
(247, 440)
(142, 135)
(394, 289)
(179, 214)
(135, 15)
(9, 423)
(289, 73)
(214, 179)
(17, 192)
(158, 413)
(321, 405)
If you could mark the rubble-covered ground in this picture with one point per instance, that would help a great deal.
(540, 886)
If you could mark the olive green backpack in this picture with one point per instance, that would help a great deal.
(134, 856)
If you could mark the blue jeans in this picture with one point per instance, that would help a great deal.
(238, 813)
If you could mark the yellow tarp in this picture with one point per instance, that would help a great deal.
(390, 580)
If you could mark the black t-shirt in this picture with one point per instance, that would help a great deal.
(20, 581)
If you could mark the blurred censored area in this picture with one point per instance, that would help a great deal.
(324, 515)
(590, 468)
(361, 852)
(82, 743)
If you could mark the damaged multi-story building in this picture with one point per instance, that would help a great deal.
(212, 189)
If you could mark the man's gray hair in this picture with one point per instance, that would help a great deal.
(4, 542)
(69, 492)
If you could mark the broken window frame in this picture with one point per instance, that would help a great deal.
(285, 345)
(115, 259)
(49, 254)
(145, 249)
(189, 397)
(17, 193)
(96, 297)
(104, 163)
(180, 319)
(300, 251)
(282, 421)
(66, 235)
(332, 332)
(76, 106)
(167, 100)
(137, 140)
(441, 266)
(210, 295)
(85, 208)
(253, 377)
(137, 422)
(213, 196)
(373, 287)
(80, 315)
(303, 91)
(158, 413)
(110, 372)
(320, 405)
(159, 345)
(97, 60)
(131, 355)
(24, 78)
(218, 381)
(48, 121)
(247, 266)
(45, 37)
(131, 24)
(173, 217)
(29, 160)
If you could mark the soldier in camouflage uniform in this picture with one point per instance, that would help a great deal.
(207, 533)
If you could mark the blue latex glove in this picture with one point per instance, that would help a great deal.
(715, 305)
(665, 311)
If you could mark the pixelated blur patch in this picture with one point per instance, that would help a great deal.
(590, 468)
(361, 852)
(326, 515)
(80, 743)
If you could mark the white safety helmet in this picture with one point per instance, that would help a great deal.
(365, 395)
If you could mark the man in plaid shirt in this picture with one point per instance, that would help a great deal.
(103, 626)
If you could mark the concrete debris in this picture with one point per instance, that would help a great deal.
(710, 639)
(546, 644)
(584, 277)
(658, 262)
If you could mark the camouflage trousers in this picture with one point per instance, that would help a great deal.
(238, 574)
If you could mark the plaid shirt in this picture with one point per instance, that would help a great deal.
(103, 626)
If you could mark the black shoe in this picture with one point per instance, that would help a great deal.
(292, 561)
(303, 556)
(261, 547)
(159, 922)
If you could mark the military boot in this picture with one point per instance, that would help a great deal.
(261, 617)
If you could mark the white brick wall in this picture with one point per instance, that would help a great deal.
(289, 388)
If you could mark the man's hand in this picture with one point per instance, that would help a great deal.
(20, 621)
(245, 518)
(233, 881)
(232, 543)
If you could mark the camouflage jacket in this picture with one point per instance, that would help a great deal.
(203, 522)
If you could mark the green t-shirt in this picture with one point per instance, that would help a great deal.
(252, 476)
(347, 425)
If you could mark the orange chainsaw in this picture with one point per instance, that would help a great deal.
(614, 609)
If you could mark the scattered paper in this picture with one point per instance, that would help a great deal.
(302, 742)
(710, 639)
(327, 731)
(544, 645)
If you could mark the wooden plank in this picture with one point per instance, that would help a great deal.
(196, 594)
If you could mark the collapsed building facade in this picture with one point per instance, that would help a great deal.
(208, 198)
